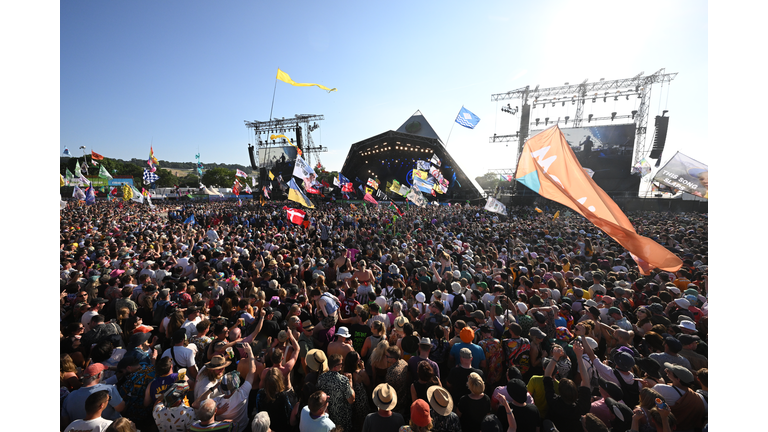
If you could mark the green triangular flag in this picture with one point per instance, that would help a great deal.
(68, 175)
(103, 173)
(77, 166)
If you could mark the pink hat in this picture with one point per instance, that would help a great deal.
(94, 369)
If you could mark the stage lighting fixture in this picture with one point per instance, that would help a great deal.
(546, 121)
(594, 100)
(613, 115)
(589, 118)
(534, 106)
(537, 122)
(566, 119)
(573, 102)
(633, 114)
(627, 97)
(616, 98)
(563, 103)
(605, 99)
(553, 104)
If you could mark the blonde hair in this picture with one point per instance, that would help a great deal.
(475, 383)
(379, 354)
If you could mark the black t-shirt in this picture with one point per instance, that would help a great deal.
(473, 411)
(527, 417)
(360, 332)
(457, 378)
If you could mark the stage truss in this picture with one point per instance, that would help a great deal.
(301, 124)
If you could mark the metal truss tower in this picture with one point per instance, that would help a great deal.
(300, 123)
(638, 86)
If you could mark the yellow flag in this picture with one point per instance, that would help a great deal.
(61, 180)
(282, 76)
(272, 137)
(538, 210)
(127, 192)
(271, 176)
(262, 201)
(557, 215)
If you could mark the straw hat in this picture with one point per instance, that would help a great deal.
(217, 362)
(440, 400)
(315, 358)
(384, 397)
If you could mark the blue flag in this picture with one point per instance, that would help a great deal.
(150, 177)
(90, 196)
(66, 152)
(343, 179)
(190, 219)
(467, 119)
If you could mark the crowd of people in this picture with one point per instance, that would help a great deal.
(371, 318)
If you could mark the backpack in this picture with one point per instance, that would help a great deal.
(439, 352)
(689, 410)
(518, 353)
(631, 392)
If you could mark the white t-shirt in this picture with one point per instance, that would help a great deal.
(98, 424)
(236, 407)
(184, 356)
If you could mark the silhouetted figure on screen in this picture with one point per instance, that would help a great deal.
(587, 149)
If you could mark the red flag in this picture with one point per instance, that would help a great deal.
(305, 224)
(370, 199)
(312, 190)
(549, 167)
(113, 191)
(236, 188)
(96, 156)
(325, 183)
(295, 215)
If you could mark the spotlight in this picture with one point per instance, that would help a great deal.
(627, 97)
(589, 118)
(537, 122)
(534, 106)
(594, 100)
(566, 119)
(616, 98)
(604, 99)
(546, 121)
(563, 103)
(613, 115)
(553, 104)
(633, 114)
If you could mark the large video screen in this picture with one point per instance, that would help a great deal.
(270, 156)
(608, 151)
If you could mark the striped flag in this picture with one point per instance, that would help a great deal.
(467, 119)
(242, 174)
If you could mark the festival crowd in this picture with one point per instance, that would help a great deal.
(372, 318)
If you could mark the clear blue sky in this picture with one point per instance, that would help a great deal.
(185, 75)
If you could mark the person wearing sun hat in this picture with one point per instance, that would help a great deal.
(385, 399)
(467, 336)
(444, 419)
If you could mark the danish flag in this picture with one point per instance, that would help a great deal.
(295, 215)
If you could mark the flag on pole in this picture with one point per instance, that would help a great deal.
(394, 206)
(295, 215)
(104, 174)
(282, 76)
(84, 180)
(113, 192)
(90, 196)
(127, 192)
(373, 183)
(467, 119)
(435, 160)
(265, 191)
(62, 182)
(303, 170)
(236, 188)
(271, 176)
(78, 193)
(96, 156)
(370, 199)
(262, 201)
(423, 165)
(77, 167)
(295, 194)
(242, 174)
(557, 215)
(66, 152)
(150, 177)
(93, 162)
(549, 167)
(538, 210)
(190, 220)
(493, 205)
(152, 156)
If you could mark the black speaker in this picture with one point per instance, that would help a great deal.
(263, 176)
(525, 119)
(299, 142)
(662, 123)
(250, 154)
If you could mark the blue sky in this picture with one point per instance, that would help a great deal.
(184, 76)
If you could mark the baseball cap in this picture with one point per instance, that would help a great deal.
(94, 369)
(465, 353)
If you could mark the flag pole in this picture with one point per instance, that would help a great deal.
(273, 99)
(449, 133)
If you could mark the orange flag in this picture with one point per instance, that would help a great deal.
(549, 167)
(96, 156)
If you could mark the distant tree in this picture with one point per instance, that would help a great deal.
(219, 177)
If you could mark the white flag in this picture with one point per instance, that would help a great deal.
(241, 174)
(493, 205)
(84, 180)
(303, 171)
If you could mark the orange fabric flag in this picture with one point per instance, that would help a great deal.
(96, 156)
(549, 167)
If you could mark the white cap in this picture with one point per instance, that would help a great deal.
(420, 297)
(522, 307)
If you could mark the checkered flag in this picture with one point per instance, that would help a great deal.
(150, 177)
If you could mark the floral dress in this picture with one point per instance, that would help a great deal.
(399, 378)
(361, 407)
(336, 386)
